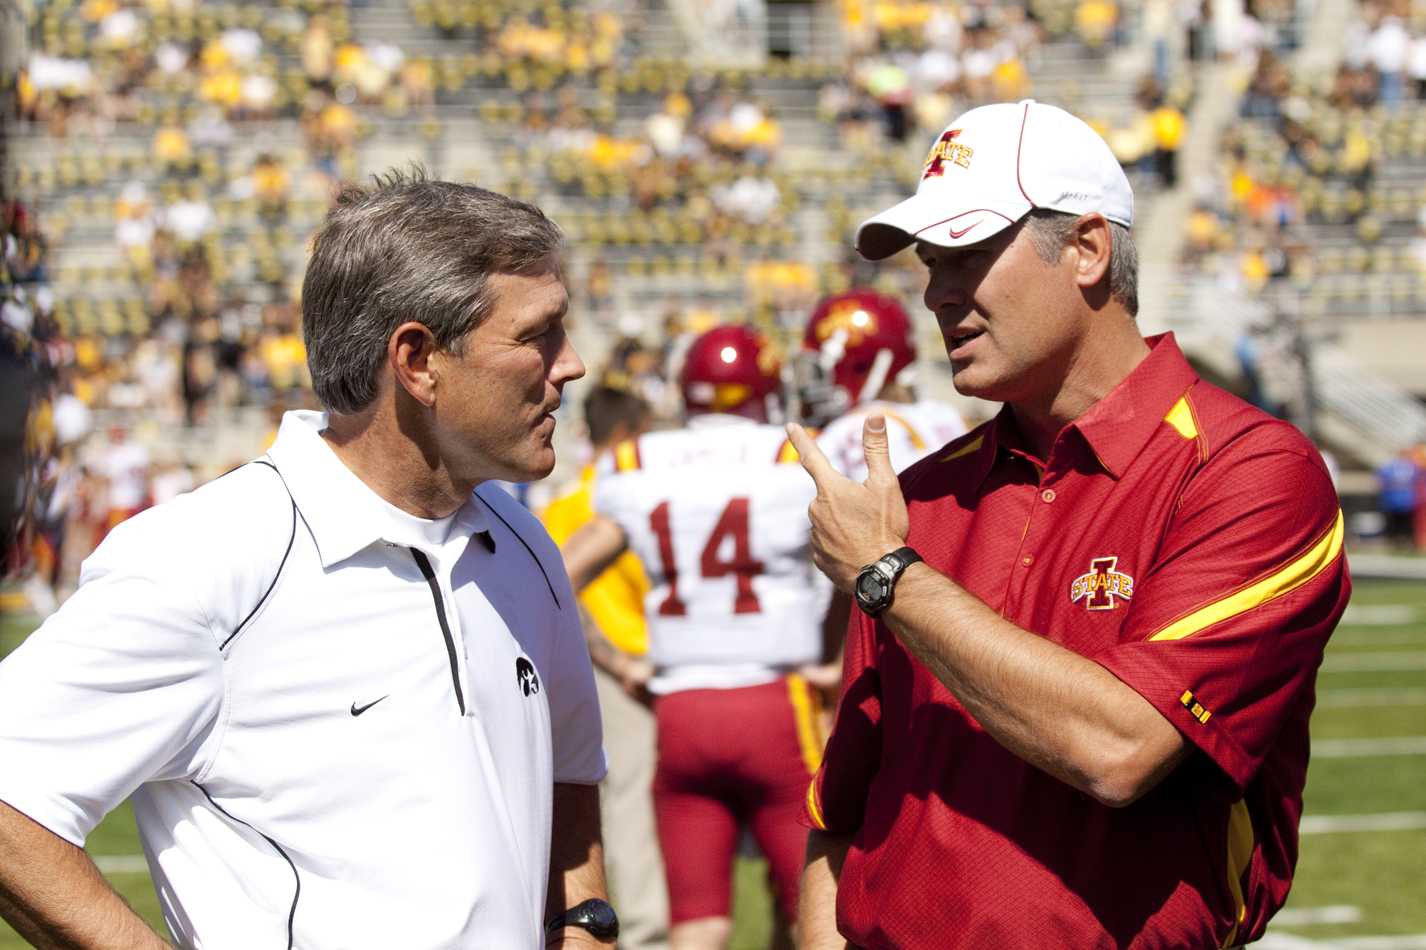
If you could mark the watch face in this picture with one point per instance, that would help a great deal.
(870, 588)
(604, 921)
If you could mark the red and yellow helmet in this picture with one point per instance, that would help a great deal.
(856, 343)
(732, 369)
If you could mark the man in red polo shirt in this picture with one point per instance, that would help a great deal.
(1077, 689)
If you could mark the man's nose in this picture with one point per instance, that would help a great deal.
(944, 290)
(567, 365)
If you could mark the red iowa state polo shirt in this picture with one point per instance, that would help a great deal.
(1190, 544)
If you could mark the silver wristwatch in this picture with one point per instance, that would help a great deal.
(877, 581)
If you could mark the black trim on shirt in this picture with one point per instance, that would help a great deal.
(297, 893)
(424, 564)
(290, 538)
(538, 563)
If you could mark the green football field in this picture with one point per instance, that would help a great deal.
(1362, 871)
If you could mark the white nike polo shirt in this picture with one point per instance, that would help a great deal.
(340, 724)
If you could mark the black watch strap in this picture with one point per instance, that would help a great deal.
(905, 556)
(594, 915)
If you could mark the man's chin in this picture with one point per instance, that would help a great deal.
(966, 384)
(537, 466)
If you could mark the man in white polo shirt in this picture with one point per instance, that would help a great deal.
(345, 685)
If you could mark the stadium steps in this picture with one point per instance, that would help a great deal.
(1362, 410)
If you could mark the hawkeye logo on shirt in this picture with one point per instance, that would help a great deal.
(525, 677)
(1103, 587)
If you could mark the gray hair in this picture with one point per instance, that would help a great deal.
(408, 248)
(1050, 231)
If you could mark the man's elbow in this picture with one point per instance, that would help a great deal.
(1128, 770)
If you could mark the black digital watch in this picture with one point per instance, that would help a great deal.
(593, 915)
(876, 582)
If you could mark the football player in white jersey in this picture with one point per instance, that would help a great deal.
(858, 354)
(717, 512)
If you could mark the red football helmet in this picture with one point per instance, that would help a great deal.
(732, 369)
(856, 343)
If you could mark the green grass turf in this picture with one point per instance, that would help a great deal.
(1376, 679)
(1363, 786)
(1377, 872)
(1350, 722)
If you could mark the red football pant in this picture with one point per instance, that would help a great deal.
(730, 757)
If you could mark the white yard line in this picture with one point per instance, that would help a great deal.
(1326, 914)
(1365, 748)
(1371, 696)
(1282, 941)
(1382, 821)
(1380, 615)
(1356, 639)
(1374, 661)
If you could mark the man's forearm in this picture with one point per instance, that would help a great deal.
(1060, 711)
(817, 899)
(54, 896)
(591, 550)
(576, 854)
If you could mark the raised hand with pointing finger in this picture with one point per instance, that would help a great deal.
(852, 524)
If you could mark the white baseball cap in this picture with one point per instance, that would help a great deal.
(991, 167)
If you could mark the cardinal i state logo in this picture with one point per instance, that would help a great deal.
(1103, 587)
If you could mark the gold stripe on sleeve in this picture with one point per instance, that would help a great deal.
(1240, 852)
(804, 714)
(1291, 577)
(812, 806)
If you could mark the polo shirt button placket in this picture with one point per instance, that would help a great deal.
(454, 619)
(1047, 496)
(451, 631)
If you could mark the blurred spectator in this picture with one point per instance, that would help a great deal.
(124, 465)
(1398, 482)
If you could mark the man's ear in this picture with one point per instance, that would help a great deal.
(409, 350)
(1092, 243)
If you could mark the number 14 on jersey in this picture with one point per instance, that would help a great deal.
(733, 522)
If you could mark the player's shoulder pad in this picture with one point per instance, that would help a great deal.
(624, 457)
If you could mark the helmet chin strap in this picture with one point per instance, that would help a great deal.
(876, 379)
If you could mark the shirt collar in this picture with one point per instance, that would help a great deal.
(1119, 426)
(343, 514)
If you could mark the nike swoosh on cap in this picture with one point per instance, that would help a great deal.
(956, 235)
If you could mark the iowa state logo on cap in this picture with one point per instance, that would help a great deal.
(1103, 587)
(947, 149)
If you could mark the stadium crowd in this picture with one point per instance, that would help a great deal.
(184, 311)
(1305, 203)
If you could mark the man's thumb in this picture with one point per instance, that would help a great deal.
(878, 452)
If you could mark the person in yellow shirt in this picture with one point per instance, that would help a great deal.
(613, 607)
